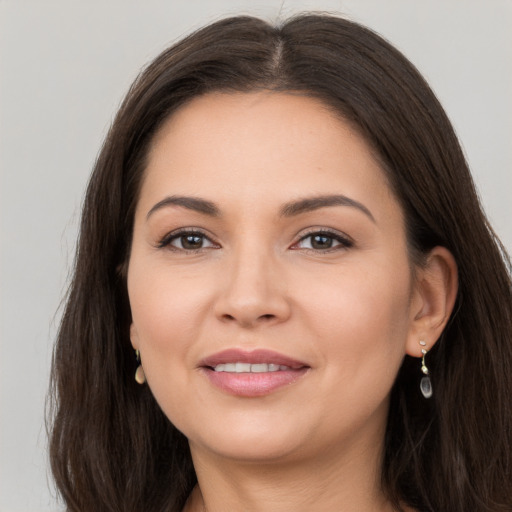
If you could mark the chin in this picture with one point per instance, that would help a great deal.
(250, 441)
(252, 451)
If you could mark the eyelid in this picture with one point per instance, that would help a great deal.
(345, 241)
(165, 241)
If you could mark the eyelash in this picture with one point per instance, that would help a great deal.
(343, 241)
(167, 240)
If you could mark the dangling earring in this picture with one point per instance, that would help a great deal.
(426, 383)
(139, 372)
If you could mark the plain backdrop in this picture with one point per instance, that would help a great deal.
(64, 67)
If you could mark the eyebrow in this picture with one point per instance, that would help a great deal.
(191, 203)
(309, 204)
(290, 209)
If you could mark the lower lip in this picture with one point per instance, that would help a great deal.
(253, 384)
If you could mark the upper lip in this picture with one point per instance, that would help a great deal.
(257, 356)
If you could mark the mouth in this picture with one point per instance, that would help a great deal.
(240, 367)
(252, 373)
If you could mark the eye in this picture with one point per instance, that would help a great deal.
(323, 241)
(187, 241)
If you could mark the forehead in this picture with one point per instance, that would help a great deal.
(264, 120)
(256, 145)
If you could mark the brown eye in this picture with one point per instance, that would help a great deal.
(323, 241)
(191, 242)
(187, 241)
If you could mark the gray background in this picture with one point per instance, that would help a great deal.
(64, 67)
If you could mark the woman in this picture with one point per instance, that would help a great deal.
(282, 243)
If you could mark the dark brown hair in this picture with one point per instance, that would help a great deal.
(111, 447)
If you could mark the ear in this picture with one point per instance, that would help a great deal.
(433, 298)
(134, 336)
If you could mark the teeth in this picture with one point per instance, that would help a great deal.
(259, 368)
(250, 368)
(242, 367)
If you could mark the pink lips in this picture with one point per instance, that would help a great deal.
(249, 384)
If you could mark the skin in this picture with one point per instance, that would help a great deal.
(257, 279)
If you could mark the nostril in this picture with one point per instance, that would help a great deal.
(261, 318)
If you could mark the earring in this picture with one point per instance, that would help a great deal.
(426, 383)
(139, 372)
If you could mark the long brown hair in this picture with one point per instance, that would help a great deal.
(111, 447)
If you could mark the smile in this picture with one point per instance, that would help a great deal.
(253, 373)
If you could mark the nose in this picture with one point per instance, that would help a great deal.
(253, 291)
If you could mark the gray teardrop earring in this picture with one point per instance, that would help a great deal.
(140, 377)
(425, 383)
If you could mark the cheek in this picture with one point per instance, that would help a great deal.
(365, 296)
(166, 317)
(362, 316)
(362, 322)
(166, 323)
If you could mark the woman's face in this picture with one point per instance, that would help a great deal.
(269, 279)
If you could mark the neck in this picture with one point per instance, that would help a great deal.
(348, 482)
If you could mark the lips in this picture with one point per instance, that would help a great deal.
(259, 356)
(251, 373)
